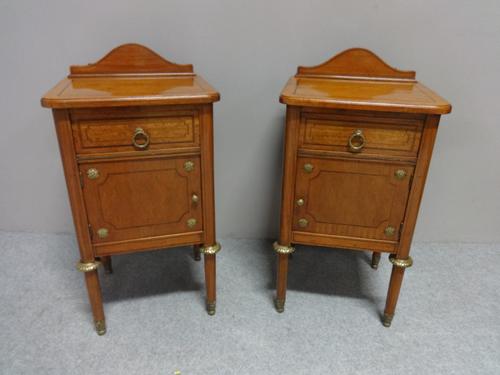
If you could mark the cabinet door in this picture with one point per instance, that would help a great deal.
(142, 198)
(360, 199)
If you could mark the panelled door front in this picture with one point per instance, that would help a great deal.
(140, 198)
(359, 199)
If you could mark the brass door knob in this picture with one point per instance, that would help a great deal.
(140, 139)
(195, 198)
(189, 166)
(356, 141)
(308, 167)
(300, 202)
(303, 223)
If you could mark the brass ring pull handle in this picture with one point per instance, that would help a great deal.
(138, 135)
(357, 141)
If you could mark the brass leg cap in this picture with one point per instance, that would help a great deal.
(387, 320)
(100, 327)
(374, 266)
(197, 257)
(211, 308)
(280, 305)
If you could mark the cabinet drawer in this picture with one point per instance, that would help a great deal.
(361, 134)
(142, 199)
(139, 130)
(357, 199)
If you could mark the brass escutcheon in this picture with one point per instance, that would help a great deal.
(389, 231)
(400, 174)
(191, 223)
(189, 166)
(102, 232)
(92, 173)
(303, 223)
(308, 167)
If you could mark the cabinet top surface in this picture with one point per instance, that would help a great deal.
(130, 75)
(358, 79)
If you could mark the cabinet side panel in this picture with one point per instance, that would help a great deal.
(207, 174)
(71, 172)
(417, 189)
(288, 181)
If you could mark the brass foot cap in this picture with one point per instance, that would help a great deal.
(280, 305)
(211, 308)
(197, 258)
(100, 327)
(387, 320)
(374, 266)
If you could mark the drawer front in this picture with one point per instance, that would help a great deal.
(358, 199)
(113, 131)
(139, 199)
(361, 134)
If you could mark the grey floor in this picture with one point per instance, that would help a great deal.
(448, 318)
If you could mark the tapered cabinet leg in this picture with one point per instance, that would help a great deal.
(210, 275)
(106, 263)
(375, 260)
(398, 270)
(94, 291)
(196, 252)
(210, 282)
(281, 274)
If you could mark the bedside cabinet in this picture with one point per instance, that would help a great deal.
(135, 135)
(358, 143)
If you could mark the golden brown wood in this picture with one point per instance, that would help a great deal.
(135, 134)
(357, 79)
(358, 143)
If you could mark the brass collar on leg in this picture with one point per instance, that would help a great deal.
(210, 250)
(281, 249)
(88, 266)
(403, 263)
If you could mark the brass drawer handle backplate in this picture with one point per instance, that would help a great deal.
(400, 174)
(102, 232)
(191, 223)
(140, 139)
(389, 231)
(356, 141)
(303, 223)
(92, 173)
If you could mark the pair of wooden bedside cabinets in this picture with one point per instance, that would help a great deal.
(135, 133)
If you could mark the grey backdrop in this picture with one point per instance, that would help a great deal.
(247, 50)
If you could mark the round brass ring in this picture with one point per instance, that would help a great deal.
(138, 134)
(403, 263)
(282, 249)
(358, 137)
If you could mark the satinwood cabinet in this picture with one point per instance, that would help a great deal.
(136, 140)
(358, 143)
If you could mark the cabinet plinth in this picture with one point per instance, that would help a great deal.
(358, 142)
